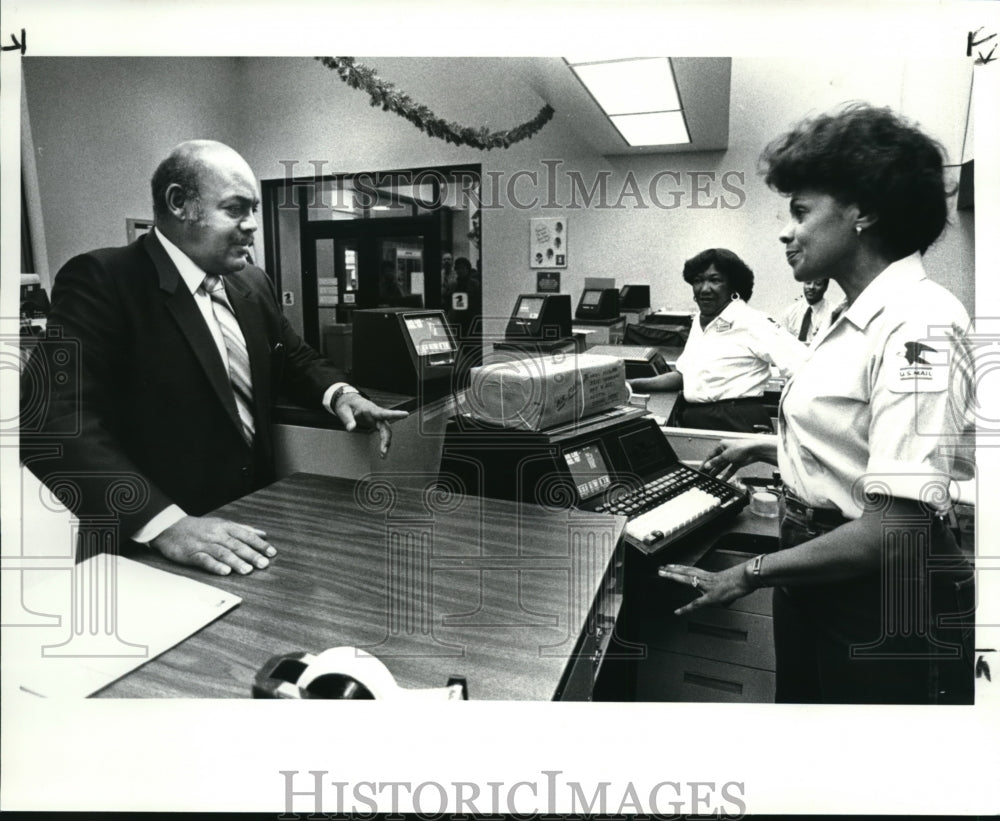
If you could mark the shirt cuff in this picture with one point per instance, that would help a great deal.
(167, 517)
(328, 396)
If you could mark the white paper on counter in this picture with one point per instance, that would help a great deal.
(114, 614)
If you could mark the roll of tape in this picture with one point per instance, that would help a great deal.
(371, 673)
(764, 503)
(352, 662)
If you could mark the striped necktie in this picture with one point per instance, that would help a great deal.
(236, 350)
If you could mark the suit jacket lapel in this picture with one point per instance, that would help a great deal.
(182, 306)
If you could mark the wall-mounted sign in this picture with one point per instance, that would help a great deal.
(547, 243)
(548, 282)
(327, 291)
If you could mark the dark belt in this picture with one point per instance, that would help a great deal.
(822, 516)
(729, 403)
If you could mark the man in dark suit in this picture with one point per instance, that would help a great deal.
(182, 351)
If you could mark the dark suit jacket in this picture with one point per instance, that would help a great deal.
(145, 416)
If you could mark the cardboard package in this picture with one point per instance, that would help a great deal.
(540, 392)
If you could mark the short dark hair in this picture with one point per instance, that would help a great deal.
(179, 168)
(872, 158)
(462, 262)
(735, 270)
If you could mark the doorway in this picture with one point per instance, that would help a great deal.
(354, 264)
(336, 244)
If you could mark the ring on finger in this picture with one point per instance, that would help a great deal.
(694, 582)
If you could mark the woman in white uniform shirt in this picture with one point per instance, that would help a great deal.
(872, 598)
(728, 356)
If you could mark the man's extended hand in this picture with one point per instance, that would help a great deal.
(352, 408)
(216, 545)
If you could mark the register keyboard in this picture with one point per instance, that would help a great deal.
(617, 461)
(631, 470)
(671, 506)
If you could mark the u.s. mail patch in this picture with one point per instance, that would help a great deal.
(918, 366)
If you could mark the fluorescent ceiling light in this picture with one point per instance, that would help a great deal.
(602, 55)
(660, 128)
(631, 86)
(638, 96)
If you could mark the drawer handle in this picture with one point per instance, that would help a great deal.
(714, 630)
(713, 683)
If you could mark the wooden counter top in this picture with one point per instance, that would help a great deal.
(432, 583)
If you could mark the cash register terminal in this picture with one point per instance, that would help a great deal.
(538, 323)
(640, 361)
(616, 461)
(598, 303)
(634, 297)
(402, 350)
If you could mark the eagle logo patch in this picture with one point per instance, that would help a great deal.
(920, 368)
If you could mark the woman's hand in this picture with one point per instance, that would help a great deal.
(731, 454)
(672, 381)
(716, 588)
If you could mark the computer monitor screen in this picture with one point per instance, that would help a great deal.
(591, 297)
(634, 297)
(646, 450)
(529, 307)
(588, 470)
(429, 335)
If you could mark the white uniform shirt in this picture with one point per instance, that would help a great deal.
(822, 314)
(731, 357)
(883, 404)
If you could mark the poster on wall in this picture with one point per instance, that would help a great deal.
(547, 243)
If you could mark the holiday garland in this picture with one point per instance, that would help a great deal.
(357, 75)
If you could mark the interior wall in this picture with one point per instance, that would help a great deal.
(337, 130)
(100, 126)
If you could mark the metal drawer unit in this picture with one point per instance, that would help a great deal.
(712, 654)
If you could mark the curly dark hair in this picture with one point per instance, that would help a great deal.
(734, 269)
(872, 158)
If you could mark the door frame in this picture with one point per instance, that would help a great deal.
(367, 233)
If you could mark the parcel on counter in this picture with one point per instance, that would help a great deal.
(539, 392)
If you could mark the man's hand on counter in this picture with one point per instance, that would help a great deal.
(353, 408)
(216, 545)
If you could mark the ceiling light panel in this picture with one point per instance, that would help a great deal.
(660, 128)
(631, 86)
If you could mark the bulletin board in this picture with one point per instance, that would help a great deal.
(547, 243)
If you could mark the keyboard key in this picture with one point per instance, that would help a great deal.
(672, 515)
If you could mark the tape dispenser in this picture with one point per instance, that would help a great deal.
(343, 673)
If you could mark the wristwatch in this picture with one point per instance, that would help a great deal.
(753, 571)
(340, 392)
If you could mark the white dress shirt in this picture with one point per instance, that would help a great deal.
(822, 316)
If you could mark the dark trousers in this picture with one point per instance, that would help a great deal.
(741, 415)
(903, 635)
